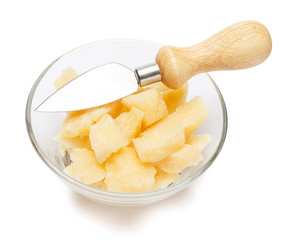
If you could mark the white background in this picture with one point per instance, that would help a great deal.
(250, 192)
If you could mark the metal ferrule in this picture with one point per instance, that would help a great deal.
(148, 74)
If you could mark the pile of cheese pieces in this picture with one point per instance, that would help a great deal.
(136, 144)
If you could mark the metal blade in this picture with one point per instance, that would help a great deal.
(96, 87)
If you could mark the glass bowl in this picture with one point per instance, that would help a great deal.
(42, 127)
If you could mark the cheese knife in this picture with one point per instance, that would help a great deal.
(241, 45)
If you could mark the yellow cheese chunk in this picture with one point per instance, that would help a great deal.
(86, 168)
(163, 179)
(106, 138)
(189, 115)
(150, 102)
(79, 124)
(69, 170)
(67, 144)
(159, 86)
(199, 140)
(66, 76)
(159, 144)
(126, 173)
(101, 185)
(186, 156)
(130, 123)
(175, 97)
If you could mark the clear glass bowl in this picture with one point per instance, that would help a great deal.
(42, 127)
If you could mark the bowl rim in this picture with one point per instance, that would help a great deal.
(105, 193)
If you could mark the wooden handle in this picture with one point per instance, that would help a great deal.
(242, 45)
